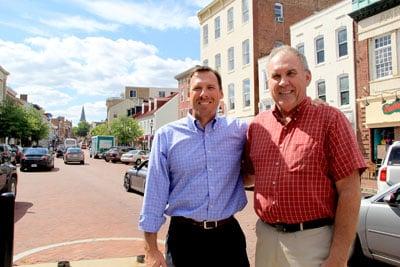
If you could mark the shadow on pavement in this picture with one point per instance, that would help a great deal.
(21, 209)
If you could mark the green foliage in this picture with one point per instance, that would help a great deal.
(37, 128)
(101, 129)
(82, 130)
(125, 129)
(22, 123)
(12, 120)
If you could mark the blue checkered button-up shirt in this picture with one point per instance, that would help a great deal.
(194, 172)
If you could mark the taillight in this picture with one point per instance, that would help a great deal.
(383, 175)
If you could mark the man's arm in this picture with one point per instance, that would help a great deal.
(346, 220)
(154, 257)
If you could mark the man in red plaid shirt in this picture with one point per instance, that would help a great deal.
(305, 163)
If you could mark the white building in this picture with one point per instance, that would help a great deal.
(326, 39)
(3, 84)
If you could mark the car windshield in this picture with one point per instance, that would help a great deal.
(394, 157)
(36, 151)
(133, 152)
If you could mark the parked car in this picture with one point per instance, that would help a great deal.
(135, 178)
(74, 154)
(37, 157)
(114, 154)
(7, 154)
(389, 172)
(8, 178)
(378, 234)
(18, 152)
(134, 156)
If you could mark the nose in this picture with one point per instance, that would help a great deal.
(283, 81)
(204, 92)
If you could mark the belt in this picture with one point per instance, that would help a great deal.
(290, 228)
(204, 224)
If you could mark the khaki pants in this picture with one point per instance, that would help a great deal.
(306, 248)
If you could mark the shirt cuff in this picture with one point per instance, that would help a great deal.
(151, 224)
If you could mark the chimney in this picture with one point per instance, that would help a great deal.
(24, 97)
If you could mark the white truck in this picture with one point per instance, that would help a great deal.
(389, 172)
(100, 144)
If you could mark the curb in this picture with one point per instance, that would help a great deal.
(137, 261)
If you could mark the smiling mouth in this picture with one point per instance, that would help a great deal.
(204, 102)
(286, 92)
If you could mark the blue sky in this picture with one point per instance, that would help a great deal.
(66, 54)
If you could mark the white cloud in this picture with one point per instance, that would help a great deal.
(58, 71)
(160, 15)
(94, 111)
(45, 96)
(77, 22)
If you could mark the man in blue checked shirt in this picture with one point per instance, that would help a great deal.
(194, 177)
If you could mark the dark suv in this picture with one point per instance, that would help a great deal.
(114, 154)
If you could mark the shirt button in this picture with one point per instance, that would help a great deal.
(277, 221)
(210, 169)
(273, 182)
(273, 202)
(276, 163)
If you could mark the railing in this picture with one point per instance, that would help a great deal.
(7, 204)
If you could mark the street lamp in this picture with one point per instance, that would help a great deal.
(151, 133)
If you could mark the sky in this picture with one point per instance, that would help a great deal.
(66, 54)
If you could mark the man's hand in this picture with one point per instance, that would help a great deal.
(154, 258)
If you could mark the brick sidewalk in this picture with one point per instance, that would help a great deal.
(368, 185)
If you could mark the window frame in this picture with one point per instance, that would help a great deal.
(217, 27)
(217, 59)
(205, 34)
(231, 96)
(278, 16)
(340, 89)
(245, 11)
(246, 92)
(339, 44)
(230, 25)
(300, 45)
(321, 81)
(320, 37)
(387, 49)
(231, 58)
(246, 52)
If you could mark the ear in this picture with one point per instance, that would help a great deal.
(222, 93)
(308, 77)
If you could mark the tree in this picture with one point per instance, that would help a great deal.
(101, 129)
(82, 130)
(13, 122)
(126, 130)
(37, 128)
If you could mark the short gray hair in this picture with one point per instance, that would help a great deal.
(288, 49)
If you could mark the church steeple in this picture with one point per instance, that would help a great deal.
(83, 117)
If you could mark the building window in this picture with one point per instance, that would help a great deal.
(217, 27)
(230, 19)
(246, 51)
(245, 11)
(205, 34)
(246, 93)
(205, 62)
(161, 93)
(278, 43)
(344, 90)
(132, 93)
(342, 42)
(300, 48)
(231, 96)
(321, 92)
(231, 59)
(383, 56)
(319, 49)
(278, 11)
(218, 62)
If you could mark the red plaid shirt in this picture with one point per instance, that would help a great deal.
(296, 165)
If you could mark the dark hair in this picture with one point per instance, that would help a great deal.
(199, 68)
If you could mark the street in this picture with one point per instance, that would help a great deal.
(79, 212)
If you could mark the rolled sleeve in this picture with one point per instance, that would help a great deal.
(157, 188)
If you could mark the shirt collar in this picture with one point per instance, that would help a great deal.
(296, 112)
(194, 123)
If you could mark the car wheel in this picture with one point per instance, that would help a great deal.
(127, 183)
(107, 160)
(138, 161)
(12, 187)
(83, 162)
(65, 162)
(22, 169)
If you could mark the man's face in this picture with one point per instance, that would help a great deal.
(287, 81)
(205, 95)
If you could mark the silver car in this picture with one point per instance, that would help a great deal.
(74, 154)
(378, 234)
(135, 178)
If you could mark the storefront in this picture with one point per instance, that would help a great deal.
(382, 117)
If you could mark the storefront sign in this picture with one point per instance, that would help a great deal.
(391, 107)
